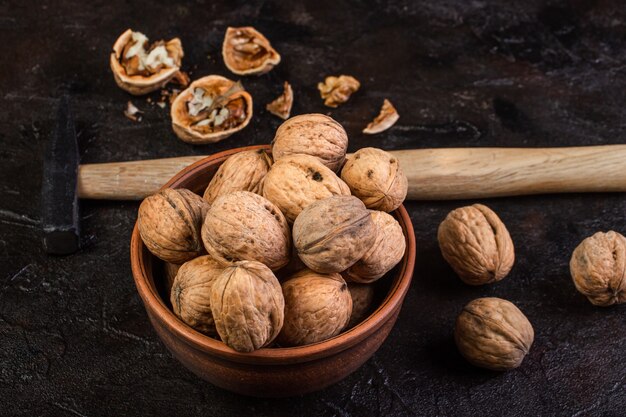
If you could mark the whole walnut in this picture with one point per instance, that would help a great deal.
(312, 134)
(169, 271)
(317, 307)
(245, 226)
(169, 223)
(387, 250)
(331, 235)
(247, 305)
(492, 333)
(375, 177)
(598, 268)
(242, 171)
(191, 293)
(362, 299)
(295, 181)
(476, 244)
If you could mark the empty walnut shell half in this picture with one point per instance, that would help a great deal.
(169, 223)
(246, 51)
(312, 134)
(493, 333)
(242, 171)
(247, 305)
(296, 181)
(476, 244)
(362, 301)
(598, 268)
(140, 68)
(375, 177)
(387, 117)
(331, 235)
(191, 293)
(210, 109)
(281, 106)
(245, 226)
(337, 90)
(317, 307)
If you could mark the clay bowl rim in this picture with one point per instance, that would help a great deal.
(148, 292)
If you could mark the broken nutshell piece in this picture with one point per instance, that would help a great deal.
(337, 90)
(132, 112)
(140, 67)
(281, 106)
(246, 51)
(211, 109)
(387, 117)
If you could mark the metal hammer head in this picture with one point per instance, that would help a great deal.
(59, 198)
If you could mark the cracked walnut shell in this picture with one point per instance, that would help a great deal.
(312, 134)
(247, 305)
(337, 90)
(169, 223)
(598, 268)
(493, 333)
(242, 171)
(296, 181)
(281, 106)
(317, 307)
(246, 51)
(331, 235)
(245, 226)
(387, 117)
(210, 109)
(375, 177)
(140, 68)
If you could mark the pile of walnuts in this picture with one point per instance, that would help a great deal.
(281, 250)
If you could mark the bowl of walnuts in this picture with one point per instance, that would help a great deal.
(277, 271)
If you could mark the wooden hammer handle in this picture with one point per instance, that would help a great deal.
(433, 174)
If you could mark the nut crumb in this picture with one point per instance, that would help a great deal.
(132, 112)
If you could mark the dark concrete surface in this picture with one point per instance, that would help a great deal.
(74, 337)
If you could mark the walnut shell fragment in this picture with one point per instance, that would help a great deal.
(247, 305)
(281, 106)
(296, 181)
(140, 68)
(245, 226)
(317, 307)
(210, 109)
(362, 301)
(331, 235)
(476, 244)
(493, 333)
(337, 90)
(242, 171)
(312, 134)
(598, 268)
(246, 51)
(191, 293)
(375, 177)
(387, 250)
(387, 117)
(169, 223)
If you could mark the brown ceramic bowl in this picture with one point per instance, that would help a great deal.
(268, 372)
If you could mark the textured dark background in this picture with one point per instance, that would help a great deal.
(74, 337)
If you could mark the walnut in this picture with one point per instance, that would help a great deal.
(210, 109)
(362, 301)
(317, 307)
(169, 223)
(598, 268)
(387, 117)
(246, 51)
(140, 68)
(312, 134)
(492, 333)
(337, 90)
(296, 181)
(248, 306)
(242, 171)
(375, 177)
(169, 272)
(281, 106)
(331, 235)
(387, 250)
(476, 244)
(191, 293)
(245, 226)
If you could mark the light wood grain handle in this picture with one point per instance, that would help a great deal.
(434, 174)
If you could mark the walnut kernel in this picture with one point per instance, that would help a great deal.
(337, 90)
